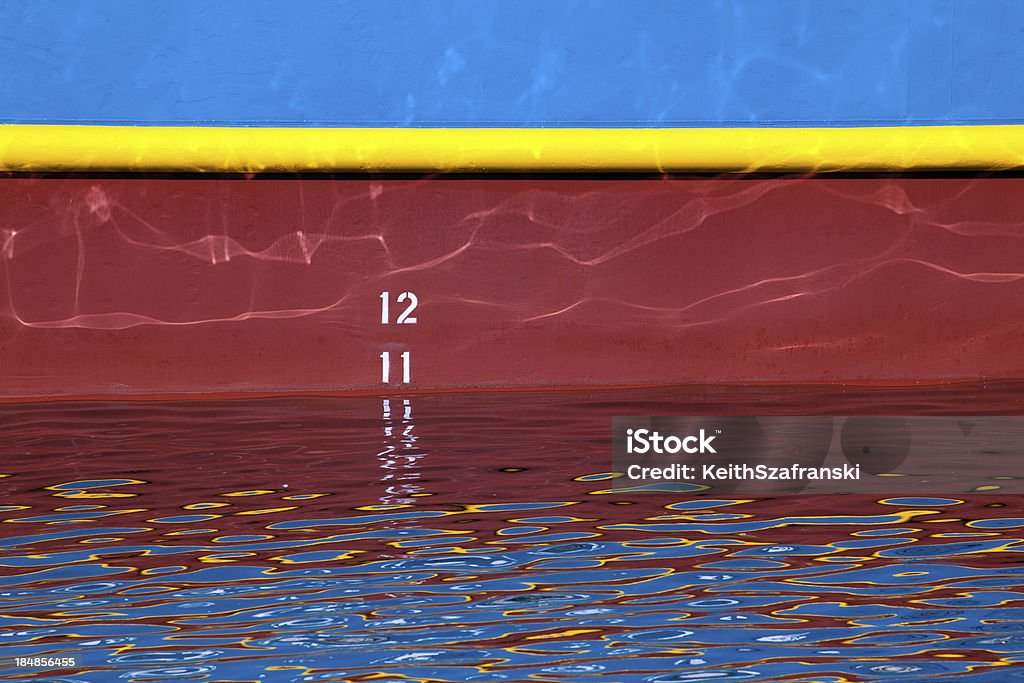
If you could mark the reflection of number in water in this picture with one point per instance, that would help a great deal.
(400, 457)
(406, 317)
(385, 367)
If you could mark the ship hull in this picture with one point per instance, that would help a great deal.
(190, 285)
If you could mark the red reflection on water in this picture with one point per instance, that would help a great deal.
(245, 465)
(370, 489)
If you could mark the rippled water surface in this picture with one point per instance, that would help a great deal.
(477, 538)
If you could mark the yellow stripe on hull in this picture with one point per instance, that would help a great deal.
(144, 148)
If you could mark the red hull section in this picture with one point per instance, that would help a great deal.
(117, 286)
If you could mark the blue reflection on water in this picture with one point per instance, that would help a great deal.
(555, 578)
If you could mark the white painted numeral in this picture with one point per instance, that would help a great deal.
(406, 317)
(413, 302)
(385, 367)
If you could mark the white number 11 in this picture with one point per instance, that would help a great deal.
(385, 367)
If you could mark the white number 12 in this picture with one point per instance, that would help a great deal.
(406, 317)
